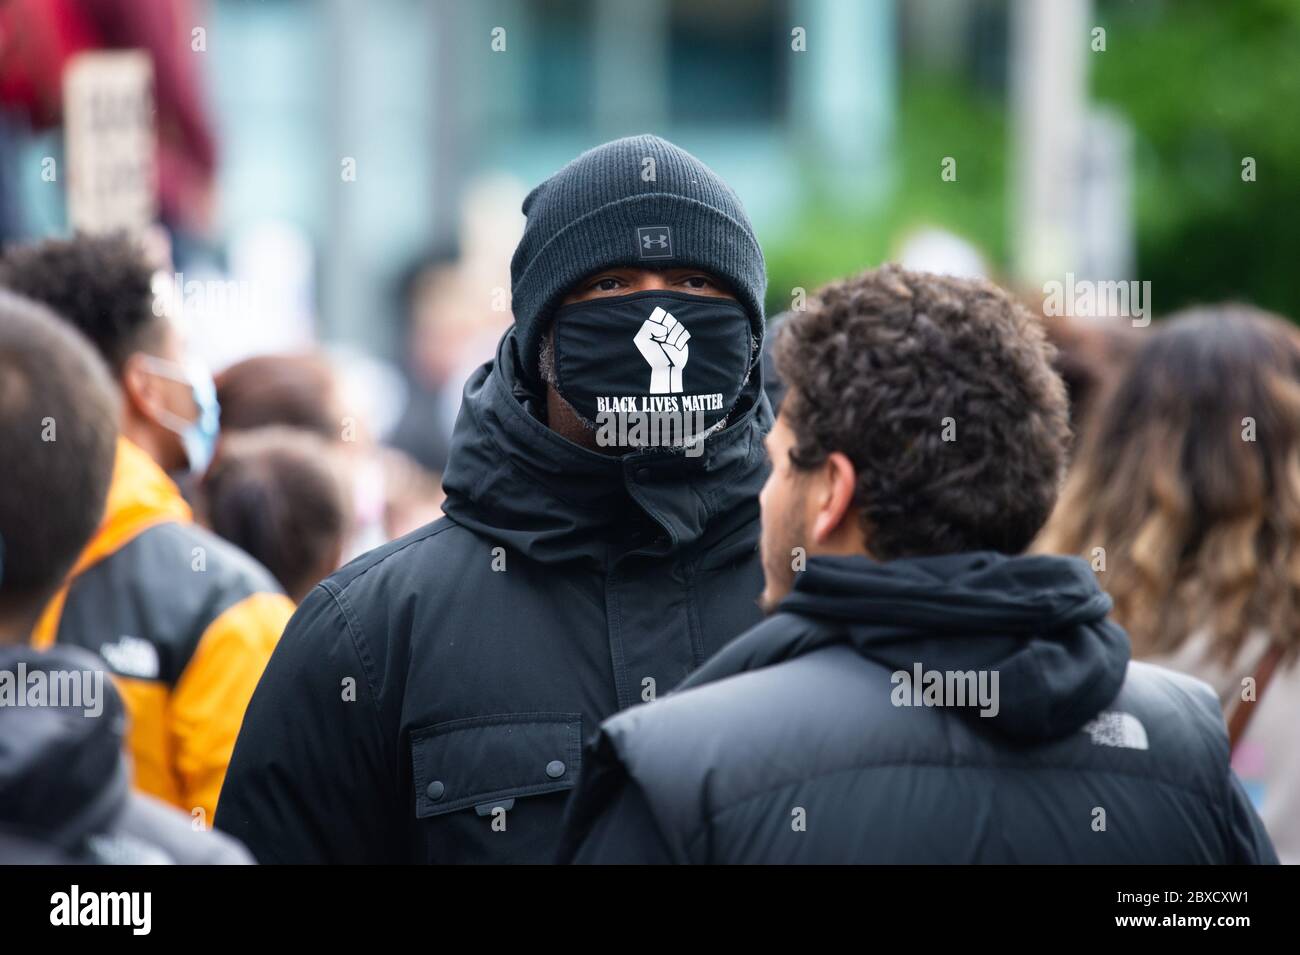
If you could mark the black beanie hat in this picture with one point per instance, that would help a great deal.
(605, 209)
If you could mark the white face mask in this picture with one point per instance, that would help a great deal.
(198, 437)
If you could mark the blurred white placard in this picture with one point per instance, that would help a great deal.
(108, 115)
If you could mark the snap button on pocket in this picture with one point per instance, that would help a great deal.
(487, 761)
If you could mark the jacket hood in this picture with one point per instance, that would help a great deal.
(1039, 622)
(512, 479)
(62, 775)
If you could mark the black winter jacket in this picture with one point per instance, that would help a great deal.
(429, 701)
(64, 788)
(809, 738)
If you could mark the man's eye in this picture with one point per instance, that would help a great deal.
(605, 285)
(698, 281)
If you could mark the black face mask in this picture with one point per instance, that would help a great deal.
(653, 354)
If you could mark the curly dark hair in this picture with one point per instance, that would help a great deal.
(100, 284)
(941, 392)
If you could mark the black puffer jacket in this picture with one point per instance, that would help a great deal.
(798, 742)
(64, 792)
(429, 701)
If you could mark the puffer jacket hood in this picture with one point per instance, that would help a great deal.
(64, 789)
(1039, 621)
(514, 480)
(61, 772)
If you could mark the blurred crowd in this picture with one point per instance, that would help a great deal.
(1168, 469)
(245, 534)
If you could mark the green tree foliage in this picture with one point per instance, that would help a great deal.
(1207, 84)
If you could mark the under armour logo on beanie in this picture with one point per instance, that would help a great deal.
(599, 212)
(667, 354)
(656, 242)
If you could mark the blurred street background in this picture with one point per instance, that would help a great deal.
(355, 169)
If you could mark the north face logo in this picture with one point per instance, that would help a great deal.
(131, 656)
(662, 343)
(1118, 729)
(655, 242)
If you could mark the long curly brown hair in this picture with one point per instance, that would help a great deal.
(1186, 493)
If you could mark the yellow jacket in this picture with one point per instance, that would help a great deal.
(186, 623)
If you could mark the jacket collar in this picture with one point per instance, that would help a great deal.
(140, 495)
(1039, 621)
(512, 479)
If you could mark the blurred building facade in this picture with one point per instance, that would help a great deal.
(350, 133)
(356, 126)
(427, 96)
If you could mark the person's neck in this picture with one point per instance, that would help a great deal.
(142, 436)
(15, 628)
(847, 541)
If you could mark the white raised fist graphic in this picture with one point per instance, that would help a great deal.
(662, 343)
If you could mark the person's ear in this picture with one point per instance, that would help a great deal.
(140, 390)
(835, 498)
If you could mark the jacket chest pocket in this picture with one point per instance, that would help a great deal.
(489, 761)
